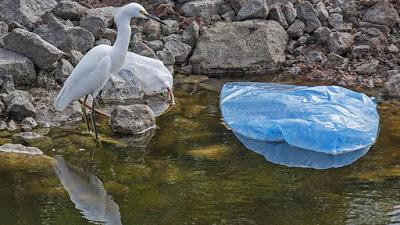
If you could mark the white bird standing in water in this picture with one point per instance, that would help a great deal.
(96, 67)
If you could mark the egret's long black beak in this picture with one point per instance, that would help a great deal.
(155, 19)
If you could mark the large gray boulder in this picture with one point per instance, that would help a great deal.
(19, 105)
(70, 10)
(19, 67)
(31, 45)
(307, 13)
(66, 38)
(98, 20)
(132, 119)
(382, 13)
(253, 9)
(252, 46)
(202, 8)
(25, 12)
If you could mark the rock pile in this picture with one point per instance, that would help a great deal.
(344, 42)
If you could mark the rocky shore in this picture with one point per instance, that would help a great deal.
(345, 42)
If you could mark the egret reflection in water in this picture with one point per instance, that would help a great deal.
(87, 192)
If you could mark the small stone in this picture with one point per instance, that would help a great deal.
(382, 13)
(368, 67)
(322, 34)
(359, 50)
(102, 41)
(302, 40)
(193, 79)
(337, 10)
(3, 125)
(132, 119)
(44, 80)
(191, 34)
(171, 28)
(383, 28)
(12, 126)
(335, 20)
(340, 42)
(70, 10)
(98, 20)
(393, 48)
(139, 47)
(335, 61)
(296, 30)
(152, 30)
(203, 9)
(3, 28)
(323, 14)
(314, 56)
(253, 9)
(28, 124)
(290, 13)
(275, 13)
(166, 57)
(392, 87)
(179, 50)
(111, 35)
(155, 45)
(7, 84)
(75, 57)
(307, 13)
(63, 70)
(31, 45)
(19, 105)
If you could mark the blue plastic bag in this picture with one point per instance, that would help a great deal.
(326, 121)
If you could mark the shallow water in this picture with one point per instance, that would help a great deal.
(194, 171)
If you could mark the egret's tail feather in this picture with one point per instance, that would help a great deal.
(62, 100)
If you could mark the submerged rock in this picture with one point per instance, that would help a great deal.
(18, 148)
(254, 46)
(132, 119)
(31, 45)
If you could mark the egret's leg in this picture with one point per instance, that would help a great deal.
(94, 120)
(171, 96)
(83, 105)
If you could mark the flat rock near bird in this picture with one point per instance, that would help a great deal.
(238, 48)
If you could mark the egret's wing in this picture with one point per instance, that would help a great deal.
(88, 77)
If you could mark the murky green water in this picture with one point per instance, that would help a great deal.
(194, 171)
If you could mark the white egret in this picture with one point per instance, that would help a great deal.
(96, 67)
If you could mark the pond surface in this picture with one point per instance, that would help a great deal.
(194, 171)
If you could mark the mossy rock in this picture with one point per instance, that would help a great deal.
(212, 152)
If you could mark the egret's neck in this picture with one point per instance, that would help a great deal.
(120, 47)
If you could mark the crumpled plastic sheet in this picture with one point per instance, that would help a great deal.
(316, 127)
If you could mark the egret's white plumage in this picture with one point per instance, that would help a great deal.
(96, 67)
